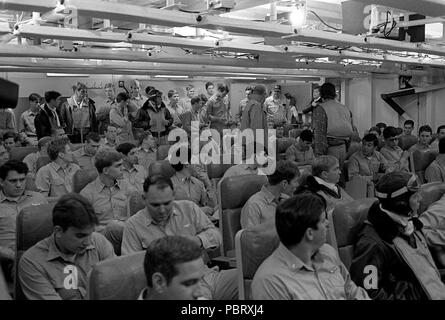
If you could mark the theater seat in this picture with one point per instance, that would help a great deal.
(431, 192)
(345, 223)
(42, 161)
(162, 152)
(406, 142)
(33, 224)
(420, 160)
(252, 247)
(83, 177)
(122, 278)
(233, 193)
(161, 167)
(19, 153)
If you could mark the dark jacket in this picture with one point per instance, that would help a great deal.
(43, 121)
(396, 280)
(66, 116)
(144, 121)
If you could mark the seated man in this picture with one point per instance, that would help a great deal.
(58, 132)
(11, 140)
(57, 268)
(164, 216)
(303, 267)
(110, 137)
(261, 206)
(301, 152)
(56, 178)
(324, 181)
(173, 267)
(13, 198)
(147, 149)
(367, 162)
(397, 158)
(391, 257)
(425, 135)
(133, 173)
(109, 196)
(440, 135)
(85, 155)
(31, 159)
(436, 170)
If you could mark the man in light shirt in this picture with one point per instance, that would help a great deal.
(26, 121)
(133, 173)
(85, 155)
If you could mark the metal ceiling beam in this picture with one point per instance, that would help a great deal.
(433, 8)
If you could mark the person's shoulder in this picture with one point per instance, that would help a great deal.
(197, 182)
(74, 166)
(99, 241)
(185, 205)
(38, 252)
(356, 155)
(37, 197)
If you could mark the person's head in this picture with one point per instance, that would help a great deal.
(129, 152)
(52, 98)
(58, 132)
(183, 165)
(173, 96)
(277, 91)
(111, 134)
(190, 90)
(316, 92)
(4, 154)
(108, 163)
(109, 91)
(375, 131)
(381, 127)
(81, 91)
(326, 168)
(148, 89)
(327, 91)
(146, 140)
(34, 101)
(302, 220)
(440, 132)
(248, 91)
(286, 175)
(60, 149)
(42, 144)
(135, 88)
(369, 143)
(442, 145)
(210, 88)
(391, 136)
(173, 267)
(222, 90)
(408, 127)
(92, 143)
(155, 96)
(74, 221)
(425, 135)
(397, 192)
(158, 197)
(13, 178)
(306, 138)
(9, 139)
(122, 99)
(196, 103)
(259, 93)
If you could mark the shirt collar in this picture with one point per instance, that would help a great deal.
(133, 168)
(331, 186)
(54, 252)
(294, 263)
(268, 196)
(4, 198)
(100, 186)
(149, 219)
(182, 177)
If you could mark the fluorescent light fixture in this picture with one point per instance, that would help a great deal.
(67, 75)
(167, 76)
(242, 78)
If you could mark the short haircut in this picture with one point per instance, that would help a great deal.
(73, 210)
(195, 100)
(208, 84)
(323, 163)
(295, 215)
(306, 135)
(390, 132)
(440, 128)
(381, 125)
(164, 254)
(35, 97)
(51, 95)
(43, 141)
(105, 157)
(122, 96)
(10, 134)
(260, 90)
(409, 122)
(376, 129)
(222, 87)
(13, 165)
(190, 87)
(144, 135)
(160, 181)
(425, 128)
(203, 97)
(57, 146)
(92, 136)
(125, 148)
(148, 89)
(327, 91)
(80, 86)
(171, 93)
(371, 138)
(285, 170)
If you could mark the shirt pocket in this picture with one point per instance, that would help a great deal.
(57, 187)
(119, 205)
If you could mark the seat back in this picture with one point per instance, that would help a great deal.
(34, 223)
(83, 177)
(162, 152)
(216, 171)
(252, 247)
(233, 193)
(19, 153)
(353, 148)
(122, 278)
(161, 167)
(346, 221)
(420, 160)
(42, 161)
(431, 192)
(406, 142)
(135, 203)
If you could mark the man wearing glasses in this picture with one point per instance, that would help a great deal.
(396, 157)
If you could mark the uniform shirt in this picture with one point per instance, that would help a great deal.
(418, 146)
(84, 160)
(146, 157)
(186, 104)
(276, 110)
(26, 122)
(186, 219)
(175, 112)
(55, 181)
(259, 208)
(393, 156)
(189, 188)
(283, 276)
(31, 162)
(360, 165)
(302, 157)
(135, 176)
(9, 209)
(46, 273)
(108, 203)
(217, 108)
(436, 170)
(242, 106)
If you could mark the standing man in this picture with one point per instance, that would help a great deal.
(103, 112)
(47, 118)
(210, 89)
(194, 114)
(7, 121)
(186, 101)
(243, 104)
(218, 109)
(276, 107)
(26, 121)
(173, 107)
(254, 116)
(332, 123)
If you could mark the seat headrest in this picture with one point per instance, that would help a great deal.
(431, 192)
(42, 161)
(82, 178)
(34, 223)
(235, 191)
(406, 142)
(423, 158)
(161, 167)
(122, 278)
